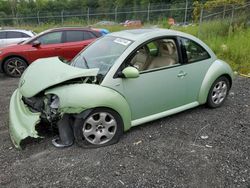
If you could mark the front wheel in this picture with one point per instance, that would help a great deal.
(14, 66)
(102, 127)
(218, 92)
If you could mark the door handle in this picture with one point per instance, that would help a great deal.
(181, 74)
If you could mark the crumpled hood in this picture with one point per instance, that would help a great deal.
(46, 72)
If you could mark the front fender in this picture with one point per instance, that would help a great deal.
(76, 98)
(217, 69)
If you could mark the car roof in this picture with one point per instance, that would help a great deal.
(19, 30)
(69, 28)
(140, 34)
(65, 29)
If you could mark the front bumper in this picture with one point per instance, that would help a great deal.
(22, 121)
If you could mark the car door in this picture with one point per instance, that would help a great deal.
(50, 45)
(24, 37)
(2, 38)
(13, 37)
(160, 86)
(74, 42)
(196, 63)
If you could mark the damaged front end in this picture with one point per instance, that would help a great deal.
(27, 113)
(22, 121)
(48, 105)
(30, 105)
(29, 117)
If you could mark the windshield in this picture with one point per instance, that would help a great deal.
(101, 54)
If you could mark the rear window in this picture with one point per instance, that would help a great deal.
(88, 35)
(194, 51)
(25, 35)
(73, 36)
(2, 35)
(14, 34)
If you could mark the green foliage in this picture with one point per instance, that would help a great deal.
(165, 23)
(216, 3)
(196, 11)
(3, 15)
(210, 4)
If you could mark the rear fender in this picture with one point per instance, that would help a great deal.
(217, 69)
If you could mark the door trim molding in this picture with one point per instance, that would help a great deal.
(164, 114)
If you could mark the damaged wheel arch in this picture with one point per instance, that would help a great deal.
(77, 98)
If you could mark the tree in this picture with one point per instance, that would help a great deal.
(13, 6)
(209, 4)
(215, 3)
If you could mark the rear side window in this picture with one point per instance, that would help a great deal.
(2, 35)
(25, 35)
(97, 33)
(73, 36)
(51, 38)
(194, 52)
(88, 35)
(14, 34)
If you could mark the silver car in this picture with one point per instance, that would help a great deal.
(14, 36)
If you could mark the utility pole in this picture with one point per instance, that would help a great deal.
(185, 21)
(148, 12)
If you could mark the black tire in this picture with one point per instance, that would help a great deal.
(87, 141)
(14, 66)
(218, 92)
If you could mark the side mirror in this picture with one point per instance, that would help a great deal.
(36, 43)
(130, 72)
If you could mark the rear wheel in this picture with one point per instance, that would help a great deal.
(218, 92)
(14, 66)
(101, 127)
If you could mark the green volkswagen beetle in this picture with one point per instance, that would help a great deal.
(122, 80)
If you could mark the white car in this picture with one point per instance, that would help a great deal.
(14, 36)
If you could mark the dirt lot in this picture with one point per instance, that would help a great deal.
(170, 152)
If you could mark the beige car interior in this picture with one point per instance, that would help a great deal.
(141, 60)
(166, 56)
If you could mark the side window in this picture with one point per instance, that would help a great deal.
(24, 35)
(73, 36)
(88, 35)
(156, 54)
(2, 35)
(51, 38)
(13, 34)
(194, 51)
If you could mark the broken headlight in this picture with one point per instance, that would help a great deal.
(54, 102)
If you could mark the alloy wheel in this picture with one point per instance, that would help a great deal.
(219, 92)
(99, 128)
(15, 67)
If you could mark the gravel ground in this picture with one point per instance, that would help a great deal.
(200, 147)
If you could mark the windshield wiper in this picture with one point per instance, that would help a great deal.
(85, 62)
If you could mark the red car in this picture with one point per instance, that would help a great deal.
(63, 42)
